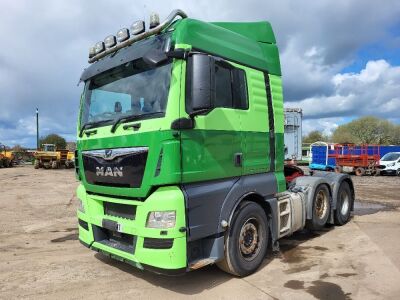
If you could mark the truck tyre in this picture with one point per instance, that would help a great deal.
(36, 164)
(343, 204)
(360, 171)
(246, 241)
(321, 207)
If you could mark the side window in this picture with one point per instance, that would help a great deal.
(230, 87)
(223, 87)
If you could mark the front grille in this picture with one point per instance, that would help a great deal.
(117, 240)
(153, 243)
(119, 210)
(119, 167)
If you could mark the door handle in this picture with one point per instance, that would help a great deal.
(238, 159)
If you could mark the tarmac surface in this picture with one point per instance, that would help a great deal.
(41, 257)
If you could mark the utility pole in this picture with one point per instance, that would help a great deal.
(37, 128)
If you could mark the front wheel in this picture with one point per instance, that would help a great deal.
(321, 208)
(247, 240)
(343, 204)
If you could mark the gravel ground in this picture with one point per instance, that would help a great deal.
(40, 256)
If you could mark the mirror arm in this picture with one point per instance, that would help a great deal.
(178, 54)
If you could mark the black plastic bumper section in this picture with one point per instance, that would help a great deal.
(83, 224)
(152, 243)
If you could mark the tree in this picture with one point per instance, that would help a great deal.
(314, 136)
(53, 139)
(18, 148)
(367, 130)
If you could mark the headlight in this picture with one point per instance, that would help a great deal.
(81, 208)
(161, 219)
(391, 164)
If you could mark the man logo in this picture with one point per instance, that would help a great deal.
(107, 153)
(112, 172)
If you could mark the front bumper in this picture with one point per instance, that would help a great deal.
(159, 250)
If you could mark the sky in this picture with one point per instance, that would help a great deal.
(340, 59)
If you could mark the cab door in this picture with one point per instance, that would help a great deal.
(213, 149)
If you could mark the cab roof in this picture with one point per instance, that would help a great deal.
(248, 43)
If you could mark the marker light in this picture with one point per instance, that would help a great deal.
(122, 35)
(154, 20)
(92, 51)
(110, 41)
(99, 47)
(137, 27)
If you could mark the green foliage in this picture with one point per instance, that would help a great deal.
(367, 130)
(314, 136)
(53, 139)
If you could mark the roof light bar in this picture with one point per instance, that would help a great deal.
(154, 20)
(99, 47)
(101, 52)
(122, 35)
(110, 41)
(137, 27)
(92, 51)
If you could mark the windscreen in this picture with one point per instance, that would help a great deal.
(132, 89)
(390, 157)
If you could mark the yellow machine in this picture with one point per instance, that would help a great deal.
(6, 157)
(49, 157)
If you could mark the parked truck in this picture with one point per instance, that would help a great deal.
(180, 150)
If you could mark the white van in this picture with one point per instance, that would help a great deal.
(390, 164)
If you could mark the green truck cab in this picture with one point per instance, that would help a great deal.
(180, 149)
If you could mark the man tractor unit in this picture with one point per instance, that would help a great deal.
(180, 149)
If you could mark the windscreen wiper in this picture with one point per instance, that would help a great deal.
(91, 125)
(124, 119)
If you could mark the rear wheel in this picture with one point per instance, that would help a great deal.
(360, 171)
(321, 208)
(247, 240)
(343, 206)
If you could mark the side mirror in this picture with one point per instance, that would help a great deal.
(200, 87)
(154, 58)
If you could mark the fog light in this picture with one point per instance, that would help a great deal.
(110, 41)
(137, 27)
(99, 47)
(122, 35)
(161, 219)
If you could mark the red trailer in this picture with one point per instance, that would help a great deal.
(360, 159)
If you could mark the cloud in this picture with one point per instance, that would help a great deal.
(372, 91)
(45, 45)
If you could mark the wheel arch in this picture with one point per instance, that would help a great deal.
(269, 207)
